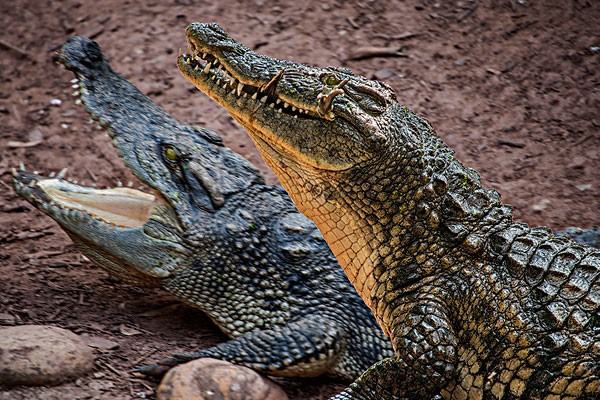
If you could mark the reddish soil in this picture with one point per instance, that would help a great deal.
(513, 86)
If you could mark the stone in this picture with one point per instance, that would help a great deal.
(207, 379)
(42, 355)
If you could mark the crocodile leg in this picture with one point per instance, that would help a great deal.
(426, 350)
(308, 348)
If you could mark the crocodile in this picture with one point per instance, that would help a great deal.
(210, 232)
(476, 305)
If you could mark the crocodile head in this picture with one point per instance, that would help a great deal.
(309, 122)
(324, 131)
(141, 237)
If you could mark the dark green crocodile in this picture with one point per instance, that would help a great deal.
(212, 234)
(476, 305)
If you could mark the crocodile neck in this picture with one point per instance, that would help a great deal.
(411, 218)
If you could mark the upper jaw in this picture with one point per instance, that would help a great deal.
(233, 74)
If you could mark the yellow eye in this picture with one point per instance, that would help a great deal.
(331, 80)
(170, 154)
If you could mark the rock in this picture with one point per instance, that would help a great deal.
(383, 74)
(541, 205)
(207, 379)
(42, 355)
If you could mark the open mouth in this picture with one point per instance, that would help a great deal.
(212, 75)
(118, 206)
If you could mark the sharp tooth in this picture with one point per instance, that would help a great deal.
(119, 184)
(21, 166)
(206, 69)
(272, 105)
(52, 174)
(232, 91)
(14, 172)
(213, 77)
(220, 68)
(255, 95)
(279, 110)
(240, 86)
(293, 108)
(129, 184)
(31, 183)
(219, 81)
(61, 174)
(263, 99)
(197, 67)
(78, 101)
(278, 100)
(285, 105)
(295, 116)
(75, 86)
(74, 80)
(225, 85)
(203, 55)
(75, 93)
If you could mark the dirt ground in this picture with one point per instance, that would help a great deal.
(512, 86)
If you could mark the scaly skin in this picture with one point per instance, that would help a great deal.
(476, 305)
(212, 234)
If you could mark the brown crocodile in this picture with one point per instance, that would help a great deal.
(211, 233)
(476, 305)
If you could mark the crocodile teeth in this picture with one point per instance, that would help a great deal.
(197, 67)
(74, 80)
(21, 166)
(61, 174)
(272, 105)
(278, 100)
(255, 95)
(75, 93)
(14, 172)
(263, 99)
(285, 105)
(240, 86)
(52, 174)
(293, 108)
(75, 86)
(207, 68)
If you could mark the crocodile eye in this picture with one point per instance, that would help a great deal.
(170, 154)
(330, 80)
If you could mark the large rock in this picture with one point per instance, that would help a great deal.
(210, 379)
(41, 355)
